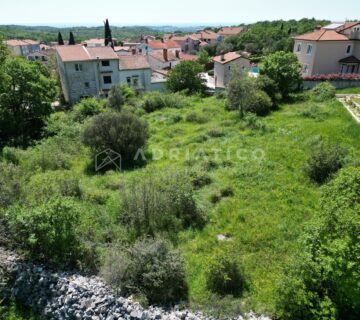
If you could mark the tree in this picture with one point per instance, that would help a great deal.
(324, 282)
(108, 36)
(203, 58)
(123, 133)
(25, 101)
(60, 39)
(186, 76)
(118, 95)
(284, 69)
(239, 92)
(71, 39)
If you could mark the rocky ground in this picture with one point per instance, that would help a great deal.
(73, 296)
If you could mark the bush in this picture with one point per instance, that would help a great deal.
(123, 133)
(150, 268)
(10, 184)
(159, 204)
(119, 95)
(270, 87)
(87, 108)
(323, 91)
(156, 100)
(259, 103)
(196, 117)
(47, 232)
(251, 121)
(223, 276)
(44, 186)
(324, 161)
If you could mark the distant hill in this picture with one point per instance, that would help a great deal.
(47, 34)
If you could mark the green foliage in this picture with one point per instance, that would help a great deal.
(284, 69)
(153, 101)
(87, 108)
(323, 91)
(71, 39)
(196, 117)
(60, 39)
(119, 95)
(150, 268)
(223, 275)
(27, 91)
(270, 87)
(161, 204)
(10, 184)
(324, 161)
(185, 76)
(44, 186)
(121, 132)
(242, 94)
(203, 57)
(324, 283)
(47, 232)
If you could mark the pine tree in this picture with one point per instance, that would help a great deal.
(108, 36)
(60, 39)
(71, 39)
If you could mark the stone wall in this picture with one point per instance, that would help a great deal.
(60, 295)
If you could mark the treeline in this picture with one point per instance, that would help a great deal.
(48, 34)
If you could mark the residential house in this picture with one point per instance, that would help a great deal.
(226, 32)
(227, 64)
(122, 51)
(166, 60)
(96, 42)
(188, 43)
(23, 47)
(135, 71)
(208, 36)
(158, 45)
(86, 71)
(331, 49)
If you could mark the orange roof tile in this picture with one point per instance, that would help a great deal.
(228, 57)
(322, 35)
(133, 62)
(25, 42)
(230, 31)
(81, 53)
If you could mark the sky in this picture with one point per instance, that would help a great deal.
(175, 12)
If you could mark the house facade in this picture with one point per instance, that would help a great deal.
(23, 47)
(227, 64)
(86, 72)
(331, 49)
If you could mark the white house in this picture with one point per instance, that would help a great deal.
(23, 47)
(86, 72)
(227, 64)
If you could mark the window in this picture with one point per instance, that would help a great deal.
(305, 68)
(107, 79)
(78, 67)
(136, 81)
(298, 48)
(105, 63)
(309, 49)
(348, 49)
(128, 80)
(87, 84)
(229, 67)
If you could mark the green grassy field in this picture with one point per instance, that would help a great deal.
(272, 201)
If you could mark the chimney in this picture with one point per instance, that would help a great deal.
(222, 55)
(165, 53)
(146, 40)
(133, 51)
(177, 54)
(318, 28)
(162, 40)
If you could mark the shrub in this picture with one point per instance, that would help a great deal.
(156, 100)
(200, 179)
(160, 204)
(196, 117)
(323, 91)
(324, 161)
(333, 77)
(43, 186)
(87, 108)
(47, 232)
(10, 184)
(150, 268)
(270, 87)
(223, 276)
(119, 95)
(259, 103)
(123, 133)
(251, 121)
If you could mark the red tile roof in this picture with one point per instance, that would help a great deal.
(228, 57)
(230, 31)
(81, 53)
(159, 55)
(188, 57)
(95, 41)
(167, 44)
(322, 35)
(133, 62)
(347, 25)
(25, 42)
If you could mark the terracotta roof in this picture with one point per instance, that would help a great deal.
(124, 48)
(322, 35)
(230, 31)
(208, 34)
(347, 25)
(188, 57)
(95, 41)
(350, 59)
(167, 44)
(133, 62)
(25, 42)
(159, 55)
(228, 57)
(81, 53)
